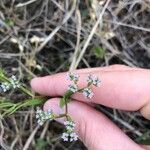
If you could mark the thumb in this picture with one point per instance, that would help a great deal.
(94, 129)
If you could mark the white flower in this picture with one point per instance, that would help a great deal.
(90, 79)
(14, 82)
(72, 77)
(65, 136)
(93, 80)
(5, 86)
(42, 116)
(48, 114)
(70, 125)
(69, 136)
(73, 88)
(40, 122)
(96, 82)
(13, 78)
(73, 137)
(87, 92)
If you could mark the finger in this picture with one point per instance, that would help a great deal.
(128, 90)
(94, 129)
(107, 68)
(147, 147)
(38, 88)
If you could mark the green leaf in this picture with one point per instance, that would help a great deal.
(65, 99)
(6, 104)
(26, 91)
(40, 144)
(34, 102)
(62, 102)
(8, 108)
(1, 72)
(99, 52)
(145, 142)
(144, 139)
(9, 22)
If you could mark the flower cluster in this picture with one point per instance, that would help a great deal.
(12, 83)
(43, 116)
(5, 86)
(87, 91)
(72, 77)
(69, 134)
(93, 80)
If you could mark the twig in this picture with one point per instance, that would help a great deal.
(129, 25)
(124, 123)
(92, 33)
(72, 67)
(44, 130)
(2, 144)
(26, 3)
(57, 28)
(29, 140)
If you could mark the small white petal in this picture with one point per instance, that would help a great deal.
(87, 92)
(72, 77)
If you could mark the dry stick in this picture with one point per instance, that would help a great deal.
(58, 5)
(14, 142)
(124, 123)
(129, 25)
(44, 130)
(26, 3)
(2, 144)
(57, 28)
(26, 69)
(91, 34)
(72, 66)
(17, 133)
(30, 139)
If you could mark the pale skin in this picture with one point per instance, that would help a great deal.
(121, 87)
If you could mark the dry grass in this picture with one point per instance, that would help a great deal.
(74, 34)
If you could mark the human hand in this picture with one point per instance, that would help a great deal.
(122, 88)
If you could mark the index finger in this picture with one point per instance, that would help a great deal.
(127, 90)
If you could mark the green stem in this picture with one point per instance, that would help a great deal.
(9, 108)
(4, 79)
(60, 116)
(66, 109)
(26, 91)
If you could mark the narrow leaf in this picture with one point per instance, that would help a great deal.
(65, 99)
